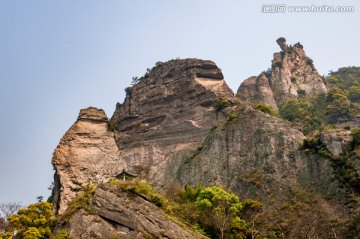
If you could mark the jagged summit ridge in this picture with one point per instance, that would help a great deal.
(181, 124)
(292, 75)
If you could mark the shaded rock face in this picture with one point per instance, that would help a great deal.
(125, 215)
(292, 75)
(252, 155)
(167, 114)
(337, 141)
(257, 90)
(87, 152)
(258, 156)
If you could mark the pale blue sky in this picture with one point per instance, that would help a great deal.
(57, 57)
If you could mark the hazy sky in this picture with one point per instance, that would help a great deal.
(57, 57)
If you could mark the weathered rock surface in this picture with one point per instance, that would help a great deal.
(87, 152)
(166, 114)
(168, 129)
(292, 75)
(251, 155)
(257, 90)
(126, 215)
(337, 141)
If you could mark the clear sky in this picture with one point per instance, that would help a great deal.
(57, 57)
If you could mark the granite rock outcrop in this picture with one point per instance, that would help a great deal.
(292, 75)
(167, 114)
(119, 214)
(181, 123)
(87, 152)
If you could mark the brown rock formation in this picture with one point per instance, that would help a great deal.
(168, 129)
(282, 43)
(168, 113)
(125, 215)
(255, 149)
(292, 75)
(337, 141)
(257, 90)
(87, 152)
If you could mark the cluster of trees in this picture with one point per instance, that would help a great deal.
(211, 210)
(341, 103)
(218, 213)
(35, 221)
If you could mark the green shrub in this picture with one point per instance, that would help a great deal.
(301, 92)
(35, 221)
(232, 117)
(221, 104)
(111, 125)
(266, 109)
(142, 188)
(277, 64)
(309, 61)
(81, 201)
(356, 138)
(62, 234)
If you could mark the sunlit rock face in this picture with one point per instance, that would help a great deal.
(168, 114)
(292, 75)
(87, 152)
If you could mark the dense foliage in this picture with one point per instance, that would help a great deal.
(35, 221)
(340, 104)
(211, 210)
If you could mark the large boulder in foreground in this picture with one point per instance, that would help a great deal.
(120, 214)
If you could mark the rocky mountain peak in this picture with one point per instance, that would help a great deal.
(292, 75)
(168, 110)
(87, 152)
(93, 114)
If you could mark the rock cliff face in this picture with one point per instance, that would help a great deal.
(167, 114)
(251, 154)
(119, 214)
(87, 152)
(292, 75)
(257, 90)
(181, 123)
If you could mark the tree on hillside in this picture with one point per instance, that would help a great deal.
(35, 221)
(220, 208)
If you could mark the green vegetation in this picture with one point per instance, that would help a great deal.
(81, 201)
(211, 210)
(142, 188)
(215, 212)
(344, 166)
(111, 125)
(266, 109)
(277, 64)
(340, 104)
(35, 221)
(221, 104)
(309, 61)
(293, 79)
